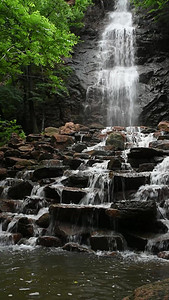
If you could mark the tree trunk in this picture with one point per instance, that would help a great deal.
(32, 116)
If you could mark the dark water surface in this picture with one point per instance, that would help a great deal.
(51, 274)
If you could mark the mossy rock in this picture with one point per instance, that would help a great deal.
(116, 140)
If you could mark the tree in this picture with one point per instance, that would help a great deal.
(35, 38)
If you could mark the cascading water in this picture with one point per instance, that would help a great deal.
(117, 74)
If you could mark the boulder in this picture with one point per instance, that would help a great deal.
(69, 128)
(60, 141)
(24, 227)
(43, 221)
(20, 189)
(75, 180)
(49, 241)
(49, 131)
(84, 215)
(47, 172)
(153, 291)
(65, 195)
(79, 147)
(129, 181)
(163, 126)
(138, 215)
(106, 241)
(114, 164)
(160, 144)
(3, 173)
(116, 140)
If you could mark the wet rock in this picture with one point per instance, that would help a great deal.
(49, 241)
(32, 205)
(116, 140)
(11, 161)
(8, 205)
(106, 241)
(141, 215)
(73, 163)
(129, 181)
(163, 126)
(84, 215)
(135, 240)
(160, 144)
(80, 181)
(74, 247)
(16, 237)
(43, 221)
(143, 153)
(65, 195)
(24, 227)
(159, 243)
(47, 172)
(79, 147)
(3, 173)
(164, 255)
(157, 290)
(114, 164)
(20, 189)
(148, 167)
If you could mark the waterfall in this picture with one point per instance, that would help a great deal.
(117, 74)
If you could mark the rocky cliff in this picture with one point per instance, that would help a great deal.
(152, 59)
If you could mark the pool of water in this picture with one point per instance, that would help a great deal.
(49, 274)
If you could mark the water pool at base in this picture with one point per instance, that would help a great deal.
(50, 274)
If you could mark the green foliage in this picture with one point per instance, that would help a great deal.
(10, 101)
(160, 8)
(35, 39)
(6, 130)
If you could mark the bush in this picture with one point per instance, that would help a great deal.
(6, 130)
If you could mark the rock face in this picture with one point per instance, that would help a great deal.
(152, 46)
(84, 101)
(158, 290)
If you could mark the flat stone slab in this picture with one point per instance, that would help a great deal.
(88, 216)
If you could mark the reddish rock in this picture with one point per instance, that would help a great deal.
(154, 291)
(69, 128)
(16, 237)
(61, 141)
(163, 126)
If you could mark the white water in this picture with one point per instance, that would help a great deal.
(117, 75)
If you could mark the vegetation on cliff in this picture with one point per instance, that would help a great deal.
(35, 38)
(160, 8)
